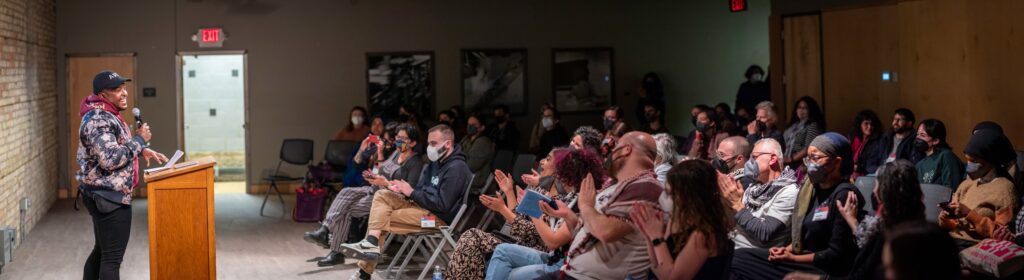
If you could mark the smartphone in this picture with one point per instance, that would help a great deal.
(374, 138)
(949, 210)
(554, 206)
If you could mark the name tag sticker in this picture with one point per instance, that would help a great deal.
(820, 213)
(428, 221)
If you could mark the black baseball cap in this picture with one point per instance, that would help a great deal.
(107, 80)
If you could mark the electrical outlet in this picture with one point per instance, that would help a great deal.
(26, 203)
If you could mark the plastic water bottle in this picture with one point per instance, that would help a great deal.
(437, 273)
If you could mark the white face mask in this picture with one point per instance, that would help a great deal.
(755, 77)
(434, 153)
(547, 122)
(357, 120)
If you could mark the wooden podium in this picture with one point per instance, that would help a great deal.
(181, 222)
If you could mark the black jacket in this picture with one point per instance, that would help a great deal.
(442, 186)
(877, 151)
(504, 138)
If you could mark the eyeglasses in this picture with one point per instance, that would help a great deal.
(755, 155)
(813, 158)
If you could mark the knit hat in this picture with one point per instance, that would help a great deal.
(836, 145)
(991, 146)
(987, 125)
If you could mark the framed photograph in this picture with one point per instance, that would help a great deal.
(397, 78)
(582, 79)
(494, 76)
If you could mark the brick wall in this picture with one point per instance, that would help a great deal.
(28, 110)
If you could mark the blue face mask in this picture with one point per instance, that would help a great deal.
(751, 170)
(401, 145)
(972, 167)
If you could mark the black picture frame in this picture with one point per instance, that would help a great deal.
(505, 82)
(569, 66)
(417, 73)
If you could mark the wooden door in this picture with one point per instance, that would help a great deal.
(81, 70)
(802, 67)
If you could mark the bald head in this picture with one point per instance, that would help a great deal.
(735, 145)
(642, 143)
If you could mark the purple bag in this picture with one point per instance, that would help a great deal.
(309, 204)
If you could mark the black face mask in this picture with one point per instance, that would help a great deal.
(721, 165)
(920, 145)
(608, 124)
(761, 126)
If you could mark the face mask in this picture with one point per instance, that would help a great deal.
(665, 200)
(972, 168)
(721, 165)
(611, 164)
(608, 124)
(751, 169)
(547, 122)
(761, 126)
(755, 77)
(401, 145)
(816, 173)
(702, 127)
(471, 130)
(434, 153)
(920, 145)
(357, 120)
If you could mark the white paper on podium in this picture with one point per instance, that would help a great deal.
(169, 164)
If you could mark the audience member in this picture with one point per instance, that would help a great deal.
(726, 119)
(920, 250)
(988, 190)
(548, 133)
(399, 210)
(695, 243)
(764, 124)
(865, 135)
(939, 165)
(586, 137)
(612, 136)
(369, 153)
(651, 92)
(504, 132)
(990, 125)
(357, 127)
(667, 156)
(447, 117)
(704, 143)
(654, 115)
(603, 216)
(403, 164)
(407, 114)
(762, 211)
(753, 91)
(479, 150)
(613, 116)
(732, 153)
(822, 242)
(807, 122)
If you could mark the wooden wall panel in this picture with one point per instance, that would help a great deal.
(994, 42)
(802, 62)
(859, 44)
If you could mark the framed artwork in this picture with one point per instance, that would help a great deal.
(397, 78)
(494, 76)
(582, 79)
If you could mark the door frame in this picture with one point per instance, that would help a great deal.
(65, 191)
(180, 100)
(783, 109)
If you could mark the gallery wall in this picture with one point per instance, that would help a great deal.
(306, 59)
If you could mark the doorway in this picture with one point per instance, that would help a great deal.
(213, 106)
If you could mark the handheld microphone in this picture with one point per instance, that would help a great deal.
(138, 116)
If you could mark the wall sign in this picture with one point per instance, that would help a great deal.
(210, 37)
(737, 5)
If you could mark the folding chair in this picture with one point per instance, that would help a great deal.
(866, 185)
(293, 151)
(503, 160)
(933, 195)
(524, 164)
(336, 155)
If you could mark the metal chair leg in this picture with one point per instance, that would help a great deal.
(433, 257)
(394, 260)
(273, 185)
(280, 198)
(408, 257)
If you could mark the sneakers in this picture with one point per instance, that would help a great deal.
(362, 250)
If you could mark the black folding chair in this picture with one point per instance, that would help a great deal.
(293, 151)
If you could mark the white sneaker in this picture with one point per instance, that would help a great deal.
(361, 250)
(356, 276)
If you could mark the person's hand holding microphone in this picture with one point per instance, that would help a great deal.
(142, 129)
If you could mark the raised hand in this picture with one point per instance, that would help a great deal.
(504, 182)
(588, 194)
(648, 220)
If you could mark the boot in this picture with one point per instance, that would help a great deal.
(333, 258)
(319, 237)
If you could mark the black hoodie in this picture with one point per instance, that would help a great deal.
(442, 186)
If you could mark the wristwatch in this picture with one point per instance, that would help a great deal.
(657, 241)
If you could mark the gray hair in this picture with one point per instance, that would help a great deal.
(740, 145)
(666, 148)
(769, 108)
(773, 147)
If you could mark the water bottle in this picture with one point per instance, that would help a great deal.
(437, 273)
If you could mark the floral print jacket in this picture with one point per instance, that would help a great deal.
(108, 156)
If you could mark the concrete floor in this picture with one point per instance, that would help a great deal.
(248, 246)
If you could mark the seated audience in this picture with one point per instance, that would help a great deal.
(822, 242)
(763, 210)
(407, 114)
(990, 125)
(807, 122)
(704, 143)
(987, 191)
(438, 193)
(613, 116)
(939, 165)
(612, 136)
(586, 137)
(726, 119)
(693, 120)
(764, 124)
(732, 154)
(899, 196)
(603, 216)
(469, 259)
(403, 164)
(357, 127)
(897, 144)
(753, 91)
(651, 91)
(655, 120)
(920, 250)
(667, 156)
(447, 117)
(479, 150)
(504, 132)
(548, 133)
(366, 156)
(865, 135)
(695, 243)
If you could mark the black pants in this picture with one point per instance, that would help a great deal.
(752, 263)
(111, 231)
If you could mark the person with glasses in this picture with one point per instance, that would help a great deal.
(822, 241)
(762, 210)
(731, 155)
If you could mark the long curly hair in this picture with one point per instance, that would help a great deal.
(900, 192)
(572, 166)
(697, 200)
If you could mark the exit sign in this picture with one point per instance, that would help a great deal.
(210, 37)
(737, 5)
